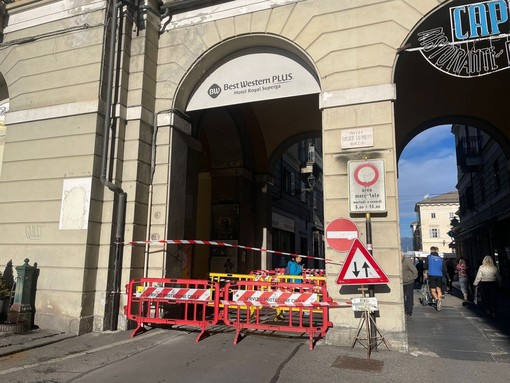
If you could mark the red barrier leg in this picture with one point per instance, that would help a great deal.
(238, 333)
(138, 330)
(203, 333)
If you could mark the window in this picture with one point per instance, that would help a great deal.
(433, 215)
(434, 233)
(452, 215)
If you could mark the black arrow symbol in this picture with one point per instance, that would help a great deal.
(366, 267)
(355, 272)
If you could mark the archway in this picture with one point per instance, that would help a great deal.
(451, 70)
(243, 122)
(430, 91)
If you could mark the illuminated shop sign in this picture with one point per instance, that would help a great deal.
(474, 42)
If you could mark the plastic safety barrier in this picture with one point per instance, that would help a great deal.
(269, 276)
(250, 305)
(314, 272)
(173, 302)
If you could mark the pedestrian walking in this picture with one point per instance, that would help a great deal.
(450, 273)
(436, 271)
(409, 275)
(487, 279)
(420, 267)
(462, 273)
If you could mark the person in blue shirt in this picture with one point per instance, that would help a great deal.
(294, 268)
(436, 270)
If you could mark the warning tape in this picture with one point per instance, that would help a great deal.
(266, 304)
(277, 299)
(174, 293)
(274, 298)
(216, 243)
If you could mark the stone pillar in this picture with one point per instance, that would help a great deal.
(183, 163)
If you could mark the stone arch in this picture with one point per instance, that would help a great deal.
(209, 59)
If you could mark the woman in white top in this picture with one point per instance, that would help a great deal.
(487, 278)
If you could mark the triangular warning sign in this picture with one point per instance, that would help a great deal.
(360, 268)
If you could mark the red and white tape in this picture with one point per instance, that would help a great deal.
(274, 299)
(175, 293)
(217, 243)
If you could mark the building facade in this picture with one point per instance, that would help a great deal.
(142, 121)
(483, 181)
(434, 221)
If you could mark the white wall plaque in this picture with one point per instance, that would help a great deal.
(74, 210)
(357, 138)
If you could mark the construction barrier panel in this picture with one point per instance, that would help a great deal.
(252, 305)
(169, 301)
(268, 276)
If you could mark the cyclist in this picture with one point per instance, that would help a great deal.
(436, 270)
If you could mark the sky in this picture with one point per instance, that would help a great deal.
(427, 166)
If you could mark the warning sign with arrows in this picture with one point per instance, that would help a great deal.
(360, 268)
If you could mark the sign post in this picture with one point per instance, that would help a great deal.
(367, 194)
(361, 268)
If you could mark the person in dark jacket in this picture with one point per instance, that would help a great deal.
(409, 274)
(419, 267)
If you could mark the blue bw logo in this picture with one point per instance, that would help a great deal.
(214, 91)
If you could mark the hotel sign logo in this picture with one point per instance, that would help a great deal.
(214, 90)
(474, 43)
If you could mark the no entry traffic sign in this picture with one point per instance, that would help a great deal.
(341, 233)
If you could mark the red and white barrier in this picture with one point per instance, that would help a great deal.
(172, 302)
(242, 304)
(306, 314)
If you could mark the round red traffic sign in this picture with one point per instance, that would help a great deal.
(366, 174)
(341, 233)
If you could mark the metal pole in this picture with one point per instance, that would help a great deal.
(371, 291)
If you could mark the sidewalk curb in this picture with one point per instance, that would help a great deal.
(14, 343)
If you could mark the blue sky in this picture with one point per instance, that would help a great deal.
(427, 166)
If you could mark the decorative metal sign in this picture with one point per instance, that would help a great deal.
(473, 41)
